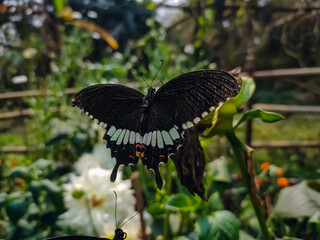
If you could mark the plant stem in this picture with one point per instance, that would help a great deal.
(168, 190)
(237, 147)
(143, 181)
(95, 231)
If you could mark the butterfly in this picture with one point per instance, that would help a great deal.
(152, 126)
(119, 235)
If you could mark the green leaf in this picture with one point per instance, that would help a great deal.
(16, 209)
(42, 164)
(33, 211)
(155, 209)
(57, 138)
(214, 202)
(54, 194)
(220, 120)
(315, 218)
(59, 5)
(180, 202)
(297, 201)
(247, 89)
(181, 238)
(51, 187)
(175, 222)
(289, 238)
(314, 222)
(151, 5)
(248, 216)
(244, 236)
(218, 170)
(3, 198)
(26, 228)
(268, 117)
(227, 225)
(223, 225)
(18, 172)
(203, 227)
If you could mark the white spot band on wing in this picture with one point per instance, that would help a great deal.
(111, 131)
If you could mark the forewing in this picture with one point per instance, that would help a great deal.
(118, 109)
(190, 97)
(109, 103)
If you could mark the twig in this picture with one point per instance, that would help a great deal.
(140, 202)
(238, 151)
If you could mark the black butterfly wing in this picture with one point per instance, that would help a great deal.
(77, 238)
(178, 105)
(119, 235)
(161, 138)
(110, 104)
(190, 97)
(154, 130)
(117, 108)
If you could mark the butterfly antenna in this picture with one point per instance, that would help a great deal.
(158, 71)
(115, 209)
(145, 81)
(145, 204)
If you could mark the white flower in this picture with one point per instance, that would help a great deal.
(90, 201)
(100, 157)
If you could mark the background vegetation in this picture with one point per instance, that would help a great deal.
(58, 45)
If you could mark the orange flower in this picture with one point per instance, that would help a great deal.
(13, 163)
(238, 175)
(265, 166)
(282, 182)
(20, 181)
(258, 181)
(279, 172)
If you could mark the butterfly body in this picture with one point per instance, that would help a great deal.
(151, 126)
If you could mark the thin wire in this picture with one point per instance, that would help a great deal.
(158, 71)
(115, 209)
(145, 204)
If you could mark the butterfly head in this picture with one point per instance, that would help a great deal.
(119, 234)
(151, 92)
